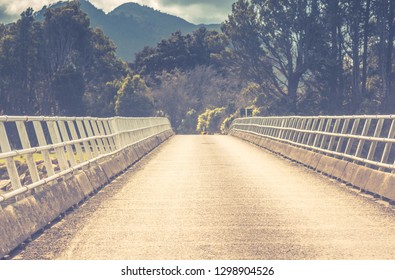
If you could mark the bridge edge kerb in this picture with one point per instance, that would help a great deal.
(373, 181)
(23, 218)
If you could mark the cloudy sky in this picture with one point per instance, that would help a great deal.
(195, 11)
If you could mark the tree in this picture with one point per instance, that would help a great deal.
(210, 121)
(246, 57)
(133, 98)
(180, 52)
(181, 93)
(280, 37)
(68, 36)
(173, 98)
(69, 87)
(47, 66)
(332, 72)
(353, 20)
(102, 72)
(385, 10)
(20, 49)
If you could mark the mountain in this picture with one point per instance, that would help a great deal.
(132, 26)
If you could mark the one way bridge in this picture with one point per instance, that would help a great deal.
(274, 188)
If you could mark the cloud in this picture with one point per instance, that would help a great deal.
(195, 2)
(106, 5)
(196, 11)
(5, 18)
(16, 7)
(11, 10)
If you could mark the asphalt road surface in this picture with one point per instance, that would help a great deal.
(218, 197)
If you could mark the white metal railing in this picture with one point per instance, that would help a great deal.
(366, 140)
(51, 147)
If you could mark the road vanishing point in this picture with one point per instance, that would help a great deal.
(218, 197)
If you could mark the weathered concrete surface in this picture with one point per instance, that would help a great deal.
(218, 197)
(21, 219)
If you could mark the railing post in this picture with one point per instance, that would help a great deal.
(311, 133)
(110, 131)
(115, 130)
(55, 137)
(353, 132)
(74, 136)
(335, 130)
(307, 128)
(102, 132)
(20, 125)
(388, 146)
(43, 142)
(100, 141)
(361, 141)
(87, 147)
(373, 144)
(343, 132)
(282, 131)
(65, 138)
(10, 163)
(93, 142)
(300, 133)
(317, 137)
(327, 128)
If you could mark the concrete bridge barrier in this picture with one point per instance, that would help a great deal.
(357, 150)
(67, 159)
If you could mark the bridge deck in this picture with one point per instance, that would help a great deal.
(217, 197)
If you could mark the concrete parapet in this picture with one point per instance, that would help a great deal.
(377, 182)
(388, 187)
(84, 183)
(326, 165)
(96, 175)
(54, 200)
(139, 151)
(29, 216)
(285, 150)
(256, 139)
(305, 157)
(349, 173)
(365, 178)
(263, 142)
(339, 169)
(11, 230)
(314, 160)
(21, 219)
(108, 169)
(361, 177)
(275, 147)
(294, 153)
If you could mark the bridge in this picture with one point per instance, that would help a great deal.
(128, 188)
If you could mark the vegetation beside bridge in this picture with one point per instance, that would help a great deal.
(275, 57)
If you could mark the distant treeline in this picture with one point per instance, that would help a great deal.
(304, 57)
(316, 56)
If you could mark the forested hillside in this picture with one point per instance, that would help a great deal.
(306, 57)
(131, 26)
